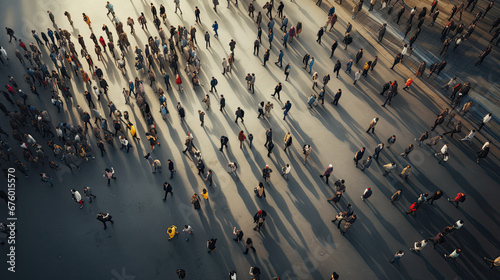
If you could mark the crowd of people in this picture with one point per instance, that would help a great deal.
(51, 61)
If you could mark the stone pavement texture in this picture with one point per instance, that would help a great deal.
(57, 240)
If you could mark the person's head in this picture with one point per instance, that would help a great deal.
(73, 190)
(204, 191)
(330, 165)
(400, 191)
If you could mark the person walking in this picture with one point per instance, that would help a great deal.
(407, 151)
(357, 76)
(260, 190)
(241, 138)
(485, 120)
(171, 168)
(366, 194)
(396, 196)
(88, 194)
(270, 147)
(277, 90)
(320, 34)
(366, 163)
(266, 172)
(373, 123)
(422, 138)
(419, 246)
(286, 109)
(492, 263)
(336, 97)
(435, 196)
(336, 68)
(388, 168)
(307, 149)
(103, 218)
(211, 245)
(459, 198)
(327, 172)
(434, 140)
(358, 156)
(44, 177)
(333, 48)
(239, 114)
(437, 239)
(223, 142)
(288, 140)
(77, 197)
(172, 231)
(238, 233)
(168, 189)
(398, 255)
(453, 255)
(287, 71)
(249, 245)
(188, 230)
(408, 84)
(413, 209)
(195, 200)
(405, 172)
(444, 150)
(109, 173)
(381, 32)
(483, 152)
(378, 149)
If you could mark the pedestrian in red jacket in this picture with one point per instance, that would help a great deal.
(413, 209)
(459, 198)
(408, 83)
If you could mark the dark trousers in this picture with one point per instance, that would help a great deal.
(166, 192)
(327, 176)
(109, 179)
(387, 100)
(222, 147)
(246, 251)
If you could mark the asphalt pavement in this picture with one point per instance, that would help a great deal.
(57, 240)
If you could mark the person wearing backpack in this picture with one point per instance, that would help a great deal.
(459, 198)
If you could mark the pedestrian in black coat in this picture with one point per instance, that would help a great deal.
(381, 32)
(358, 156)
(334, 47)
(337, 68)
(359, 55)
(336, 97)
(168, 189)
(435, 196)
(397, 59)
